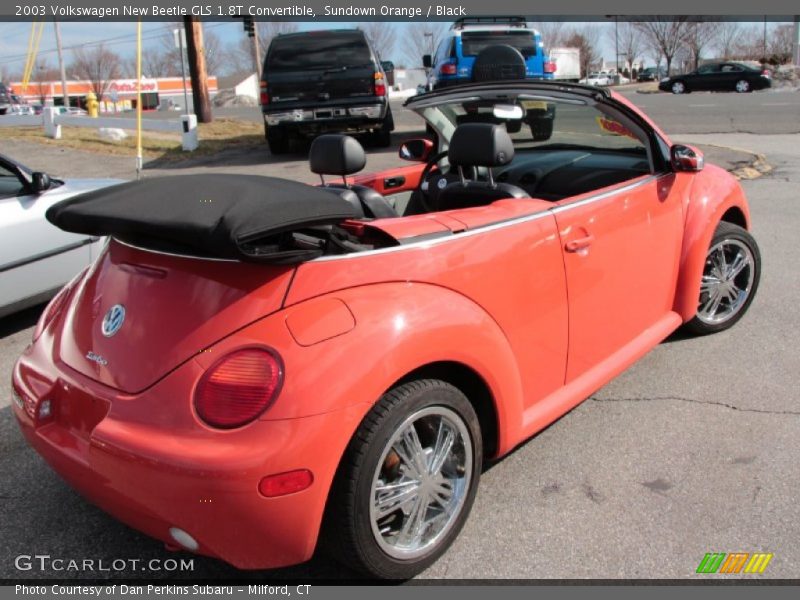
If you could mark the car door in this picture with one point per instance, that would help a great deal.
(621, 246)
(706, 78)
(35, 257)
(729, 75)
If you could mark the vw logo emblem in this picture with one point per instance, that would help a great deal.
(113, 320)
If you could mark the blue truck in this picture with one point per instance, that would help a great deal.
(500, 47)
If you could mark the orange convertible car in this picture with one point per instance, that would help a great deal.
(256, 366)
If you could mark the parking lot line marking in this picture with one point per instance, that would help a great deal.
(702, 105)
(777, 103)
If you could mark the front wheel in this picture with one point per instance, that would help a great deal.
(407, 481)
(730, 280)
(678, 87)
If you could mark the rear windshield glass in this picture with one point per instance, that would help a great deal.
(475, 41)
(313, 51)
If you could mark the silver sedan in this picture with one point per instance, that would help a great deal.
(36, 258)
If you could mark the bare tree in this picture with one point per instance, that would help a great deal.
(420, 39)
(725, 40)
(699, 36)
(779, 48)
(553, 33)
(587, 40)
(98, 65)
(750, 43)
(630, 42)
(382, 36)
(667, 34)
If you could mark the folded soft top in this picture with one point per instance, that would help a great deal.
(245, 217)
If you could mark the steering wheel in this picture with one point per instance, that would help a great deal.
(424, 197)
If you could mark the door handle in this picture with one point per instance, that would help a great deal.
(393, 182)
(579, 244)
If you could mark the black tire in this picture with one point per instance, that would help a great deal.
(679, 87)
(382, 138)
(541, 128)
(278, 139)
(497, 63)
(348, 534)
(731, 237)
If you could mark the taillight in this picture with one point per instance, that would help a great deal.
(765, 73)
(55, 306)
(549, 66)
(264, 93)
(380, 84)
(447, 69)
(239, 387)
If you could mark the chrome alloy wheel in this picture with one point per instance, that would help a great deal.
(727, 281)
(742, 86)
(678, 87)
(421, 482)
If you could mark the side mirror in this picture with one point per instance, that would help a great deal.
(427, 62)
(40, 181)
(416, 150)
(387, 66)
(686, 158)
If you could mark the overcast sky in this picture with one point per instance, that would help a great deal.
(122, 38)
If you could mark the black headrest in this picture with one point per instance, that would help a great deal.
(480, 145)
(336, 154)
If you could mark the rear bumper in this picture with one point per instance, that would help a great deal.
(328, 115)
(168, 473)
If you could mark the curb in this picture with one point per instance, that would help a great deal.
(755, 169)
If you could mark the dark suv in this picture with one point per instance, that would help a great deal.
(322, 81)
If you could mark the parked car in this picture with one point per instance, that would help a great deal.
(37, 259)
(5, 98)
(718, 77)
(322, 81)
(597, 78)
(506, 47)
(295, 363)
(651, 74)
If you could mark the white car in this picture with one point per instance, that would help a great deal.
(601, 78)
(37, 258)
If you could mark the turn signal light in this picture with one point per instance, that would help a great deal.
(239, 387)
(285, 483)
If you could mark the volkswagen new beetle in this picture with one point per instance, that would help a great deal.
(254, 367)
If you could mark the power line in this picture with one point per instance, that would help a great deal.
(117, 40)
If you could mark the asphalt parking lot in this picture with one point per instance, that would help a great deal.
(692, 450)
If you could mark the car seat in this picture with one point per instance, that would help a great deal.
(337, 154)
(478, 145)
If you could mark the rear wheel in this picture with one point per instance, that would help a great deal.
(277, 139)
(382, 138)
(742, 86)
(407, 481)
(729, 282)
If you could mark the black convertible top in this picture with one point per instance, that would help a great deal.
(246, 217)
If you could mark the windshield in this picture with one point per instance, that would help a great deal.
(318, 51)
(473, 42)
(546, 123)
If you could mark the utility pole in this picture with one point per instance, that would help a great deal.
(796, 44)
(257, 54)
(197, 69)
(64, 92)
